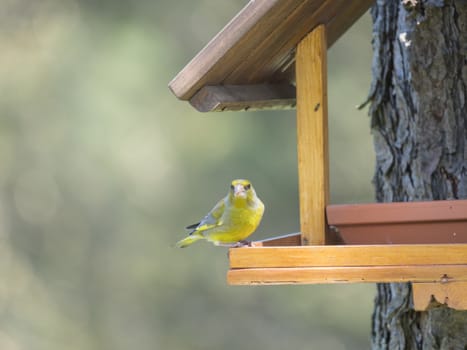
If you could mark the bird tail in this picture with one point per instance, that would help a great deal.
(188, 240)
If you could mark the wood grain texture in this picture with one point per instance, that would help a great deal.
(258, 45)
(338, 256)
(427, 295)
(244, 97)
(228, 47)
(359, 274)
(312, 135)
(305, 17)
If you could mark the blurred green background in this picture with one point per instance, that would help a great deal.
(101, 167)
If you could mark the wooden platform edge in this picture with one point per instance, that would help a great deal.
(359, 274)
(347, 255)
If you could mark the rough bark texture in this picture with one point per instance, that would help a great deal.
(419, 123)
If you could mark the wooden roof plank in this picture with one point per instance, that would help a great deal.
(281, 54)
(244, 97)
(282, 39)
(258, 44)
(350, 255)
(359, 274)
(229, 47)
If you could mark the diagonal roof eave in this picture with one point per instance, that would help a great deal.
(258, 45)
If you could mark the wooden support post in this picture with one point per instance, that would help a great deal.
(452, 294)
(312, 135)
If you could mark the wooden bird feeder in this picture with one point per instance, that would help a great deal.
(272, 54)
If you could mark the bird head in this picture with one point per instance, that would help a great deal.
(242, 189)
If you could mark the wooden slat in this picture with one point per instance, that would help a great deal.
(279, 43)
(337, 256)
(359, 274)
(453, 294)
(258, 44)
(230, 46)
(244, 97)
(308, 16)
(312, 135)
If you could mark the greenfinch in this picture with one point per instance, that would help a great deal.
(232, 219)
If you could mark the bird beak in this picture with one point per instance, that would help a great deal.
(239, 191)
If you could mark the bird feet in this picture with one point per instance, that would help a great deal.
(234, 245)
(243, 243)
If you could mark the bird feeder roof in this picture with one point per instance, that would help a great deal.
(250, 62)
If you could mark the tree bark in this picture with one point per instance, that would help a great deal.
(419, 124)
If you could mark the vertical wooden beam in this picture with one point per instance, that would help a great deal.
(312, 135)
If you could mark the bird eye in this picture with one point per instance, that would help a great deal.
(247, 187)
(232, 187)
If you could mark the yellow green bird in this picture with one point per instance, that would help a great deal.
(232, 219)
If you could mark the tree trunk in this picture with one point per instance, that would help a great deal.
(419, 123)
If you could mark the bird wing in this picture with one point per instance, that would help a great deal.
(212, 219)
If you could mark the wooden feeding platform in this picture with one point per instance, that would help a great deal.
(273, 55)
(442, 267)
(420, 242)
